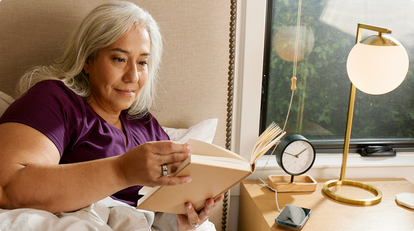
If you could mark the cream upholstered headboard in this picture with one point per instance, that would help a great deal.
(197, 62)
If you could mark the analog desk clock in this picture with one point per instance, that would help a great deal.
(295, 155)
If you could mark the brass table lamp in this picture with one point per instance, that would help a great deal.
(376, 65)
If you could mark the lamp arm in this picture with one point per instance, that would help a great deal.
(348, 129)
(375, 28)
(361, 26)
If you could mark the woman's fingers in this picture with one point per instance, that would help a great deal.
(192, 219)
(192, 216)
(169, 147)
(218, 200)
(169, 168)
(171, 154)
(210, 205)
(143, 165)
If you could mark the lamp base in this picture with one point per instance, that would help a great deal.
(370, 201)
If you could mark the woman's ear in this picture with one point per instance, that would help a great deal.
(86, 66)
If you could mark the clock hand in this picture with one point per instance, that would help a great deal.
(294, 155)
(290, 154)
(301, 152)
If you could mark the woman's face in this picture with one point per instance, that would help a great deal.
(118, 72)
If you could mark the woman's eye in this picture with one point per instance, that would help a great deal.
(121, 60)
(143, 64)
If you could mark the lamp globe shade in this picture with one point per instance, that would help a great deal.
(377, 65)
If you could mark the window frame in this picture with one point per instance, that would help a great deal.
(321, 146)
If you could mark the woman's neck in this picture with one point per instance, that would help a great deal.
(109, 116)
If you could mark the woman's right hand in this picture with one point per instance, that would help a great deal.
(142, 165)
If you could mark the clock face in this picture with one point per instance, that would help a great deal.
(298, 157)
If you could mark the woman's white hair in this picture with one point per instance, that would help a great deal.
(101, 27)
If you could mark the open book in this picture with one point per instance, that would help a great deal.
(213, 171)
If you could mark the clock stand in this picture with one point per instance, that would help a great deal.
(290, 183)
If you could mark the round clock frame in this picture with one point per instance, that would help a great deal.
(295, 154)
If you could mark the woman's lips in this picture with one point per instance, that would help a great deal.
(126, 92)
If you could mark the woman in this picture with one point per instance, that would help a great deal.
(81, 130)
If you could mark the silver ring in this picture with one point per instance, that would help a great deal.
(164, 170)
(194, 224)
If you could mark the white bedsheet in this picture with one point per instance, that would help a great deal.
(104, 215)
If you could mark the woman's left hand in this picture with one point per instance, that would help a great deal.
(193, 219)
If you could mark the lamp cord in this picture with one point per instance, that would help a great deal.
(295, 56)
(293, 88)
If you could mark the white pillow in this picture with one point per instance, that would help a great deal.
(205, 131)
(5, 101)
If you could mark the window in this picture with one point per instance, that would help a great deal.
(320, 104)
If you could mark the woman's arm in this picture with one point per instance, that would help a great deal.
(31, 177)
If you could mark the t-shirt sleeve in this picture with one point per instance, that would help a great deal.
(157, 129)
(49, 107)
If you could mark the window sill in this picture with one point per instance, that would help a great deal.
(354, 161)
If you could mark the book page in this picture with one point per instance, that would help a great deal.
(270, 137)
(203, 148)
(224, 162)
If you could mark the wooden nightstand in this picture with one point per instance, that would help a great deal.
(258, 208)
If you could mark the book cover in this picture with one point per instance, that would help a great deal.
(213, 170)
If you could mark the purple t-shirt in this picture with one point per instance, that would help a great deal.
(77, 131)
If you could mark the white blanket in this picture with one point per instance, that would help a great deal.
(104, 215)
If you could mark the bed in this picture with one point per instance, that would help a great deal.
(198, 62)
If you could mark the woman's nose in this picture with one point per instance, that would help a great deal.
(131, 75)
